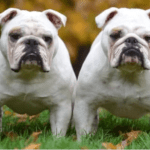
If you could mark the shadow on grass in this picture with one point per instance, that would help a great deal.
(108, 123)
(109, 130)
(114, 126)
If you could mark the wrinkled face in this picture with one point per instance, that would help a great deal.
(128, 41)
(29, 40)
(30, 45)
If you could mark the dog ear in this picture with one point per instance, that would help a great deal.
(103, 18)
(56, 18)
(148, 12)
(7, 15)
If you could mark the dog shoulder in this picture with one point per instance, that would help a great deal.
(62, 63)
(94, 62)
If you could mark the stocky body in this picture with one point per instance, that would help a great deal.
(44, 90)
(36, 72)
(123, 94)
(116, 72)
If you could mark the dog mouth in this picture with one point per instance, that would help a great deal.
(131, 57)
(30, 61)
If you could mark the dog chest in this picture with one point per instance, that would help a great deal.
(26, 103)
(125, 100)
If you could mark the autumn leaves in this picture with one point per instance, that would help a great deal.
(31, 142)
(21, 118)
(32, 139)
(129, 137)
(34, 132)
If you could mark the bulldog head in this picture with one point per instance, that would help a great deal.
(126, 37)
(30, 39)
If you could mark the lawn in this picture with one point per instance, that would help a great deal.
(17, 134)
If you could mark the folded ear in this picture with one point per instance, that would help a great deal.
(56, 18)
(103, 18)
(8, 15)
(148, 12)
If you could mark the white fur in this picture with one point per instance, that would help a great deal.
(101, 85)
(61, 16)
(100, 19)
(52, 90)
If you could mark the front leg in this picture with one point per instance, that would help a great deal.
(60, 116)
(1, 115)
(86, 118)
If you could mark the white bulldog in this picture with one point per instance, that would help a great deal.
(116, 72)
(36, 73)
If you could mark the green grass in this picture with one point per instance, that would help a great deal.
(108, 131)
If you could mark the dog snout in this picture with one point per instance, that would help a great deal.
(131, 41)
(31, 42)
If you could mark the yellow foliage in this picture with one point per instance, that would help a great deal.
(130, 136)
(33, 146)
(81, 28)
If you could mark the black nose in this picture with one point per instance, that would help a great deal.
(131, 40)
(31, 42)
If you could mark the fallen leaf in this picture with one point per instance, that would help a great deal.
(108, 145)
(9, 113)
(131, 136)
(35, 135)
(11, 135)
(33, 146)
(84, 148)
(34, 117)
(121, 145)
(21, 115)
(22, 118)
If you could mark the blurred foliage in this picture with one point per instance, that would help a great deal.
(81, 29)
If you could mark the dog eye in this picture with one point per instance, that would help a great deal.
(14, 36)
(47, 39)
(147, 38)
(115, 35)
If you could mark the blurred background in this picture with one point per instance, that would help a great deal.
(80, 30)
